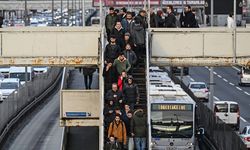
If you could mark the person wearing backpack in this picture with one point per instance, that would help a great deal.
(118, 129)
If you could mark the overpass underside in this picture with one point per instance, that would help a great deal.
(77, 46)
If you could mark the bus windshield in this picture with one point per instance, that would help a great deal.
(20, 76)
(172, 124)
(9, 85)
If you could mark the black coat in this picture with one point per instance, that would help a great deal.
(111, 52)
(170, 21)
(113, 146)
(160, 21)
(131, 93)
(119, 36)
(153, 20)
(110, 95)
(110, 76)
(188, 20)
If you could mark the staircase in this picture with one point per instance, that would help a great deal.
(139, 75)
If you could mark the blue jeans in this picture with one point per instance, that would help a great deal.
(140, 143)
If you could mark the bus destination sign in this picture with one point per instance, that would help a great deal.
(172, 107)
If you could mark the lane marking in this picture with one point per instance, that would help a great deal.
(215, 73)
(235, 68)
(219, 76)
(244, 120)
(238, 88)
(232, 84)
(247, 93)
(216, 98)
(225, 80)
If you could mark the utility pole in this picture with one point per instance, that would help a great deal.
(52, 11)
(211, 84)
(83, 13)
(68, 12)
(61, 12)
(25, 13)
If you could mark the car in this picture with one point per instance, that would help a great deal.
(228, 112)
(200, 90)
(244, 76)
(8, 86)
(245, 136)
(177, 70)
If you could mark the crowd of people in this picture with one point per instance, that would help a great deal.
(126, 123)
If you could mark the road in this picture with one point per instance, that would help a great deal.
(226, 88)
(39, 130)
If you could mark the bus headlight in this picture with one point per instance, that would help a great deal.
(153, 144)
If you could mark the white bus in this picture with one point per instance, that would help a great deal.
(19, 72)
(172, 117)
(5, 71)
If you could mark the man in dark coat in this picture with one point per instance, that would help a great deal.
(153, 19)
(127, 22)
(187, 19)
(118, 32)
(143, 19)
(130, 55)
(110, 21)
(170, 20)
(115, 95)
(112, 144)
(112, 50)
(139, 129)
(138, 35)
(131, 93)
(110, 76)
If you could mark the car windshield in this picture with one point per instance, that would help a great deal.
(221, 108)
(198, 86)
(172, 124)
(20, 76)
(9, 85)
(246, 71)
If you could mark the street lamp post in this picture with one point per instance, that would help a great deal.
(61, 12)
(52, 11)
(211, 95)
(25, 13)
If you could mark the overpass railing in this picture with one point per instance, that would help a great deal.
(200, 46)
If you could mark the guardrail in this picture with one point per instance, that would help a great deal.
(218, 134)
(19, 103)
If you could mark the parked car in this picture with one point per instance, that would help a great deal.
(244, 76)
(228, 112)
(200, 90)
(245, 136)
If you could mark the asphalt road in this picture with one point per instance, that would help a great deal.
(39, 130)
(226, 88)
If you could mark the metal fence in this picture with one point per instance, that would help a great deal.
(221, 135)
(20, 98)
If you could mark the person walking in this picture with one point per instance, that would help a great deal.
(115, 95)
(131, 93)
(112, 50)
(122, 80)
(121, 64)
(187, 19)
(109, 75)
(110, 21)
(127, 40)
(88, 76)
(138, 35)
(118, 32)
(170, 20)
(230, 21)
(160, 19)
(139, 129)
(130, 55)
(118, 129)
(112, 144)
(127, 22)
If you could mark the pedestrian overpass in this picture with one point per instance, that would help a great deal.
(78, 46)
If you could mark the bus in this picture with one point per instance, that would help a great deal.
(19, 72)
(172, 117)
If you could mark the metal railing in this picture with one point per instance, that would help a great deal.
(21, 100)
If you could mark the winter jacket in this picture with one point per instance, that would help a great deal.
(127, 122)
(111, 52)
(110, 21)
(119, 34)
(113, 146)
(109, 117)
(139, 124)
(121, 65)
(118, 130)
(110, 76)
(130, 41)
(130, 93)
(138, 34)
(130, 56)
(143, 21)
(127, 26)
(110, 96)
(170, 21)
(188, 20)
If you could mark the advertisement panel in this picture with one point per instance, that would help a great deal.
(124, 3)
